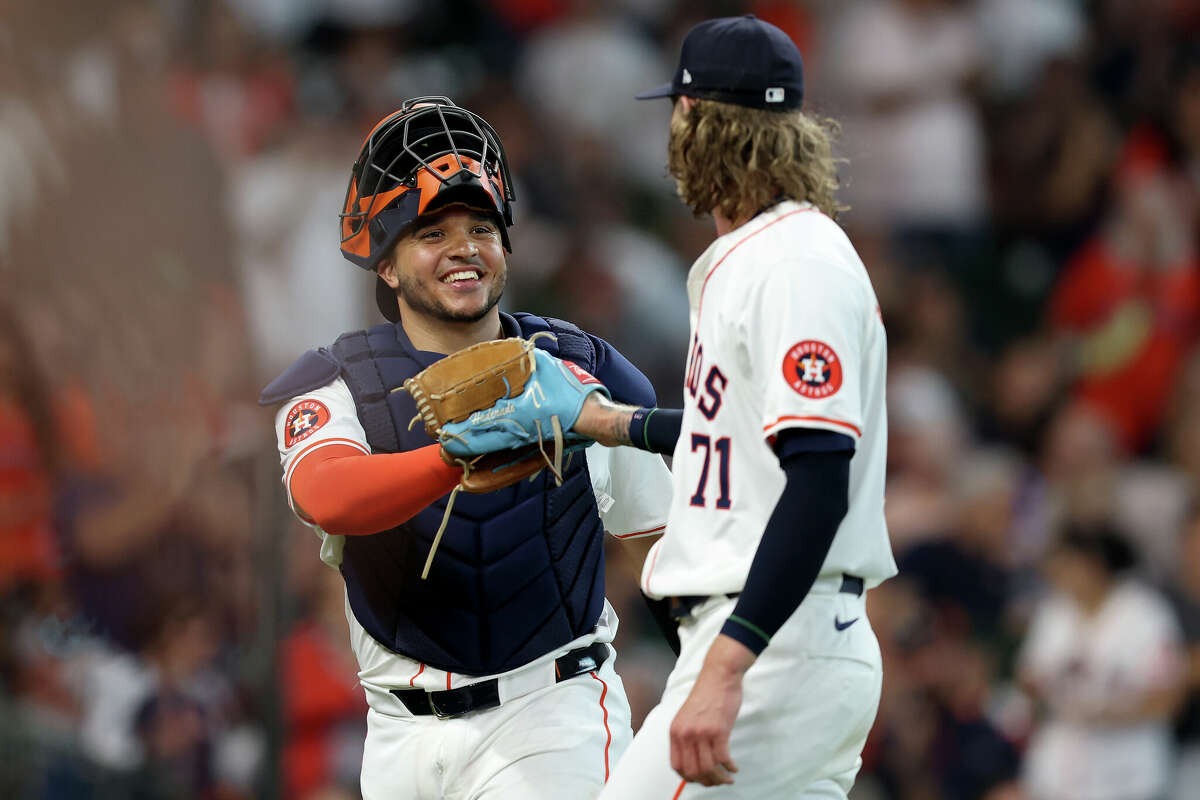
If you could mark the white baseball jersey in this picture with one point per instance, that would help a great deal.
(632, 493)
(562, 738)
(786, 332)
(1131, 646)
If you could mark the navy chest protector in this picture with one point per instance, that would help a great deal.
(519, 572)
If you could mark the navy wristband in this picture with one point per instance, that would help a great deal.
(656, 429)
(637, 427)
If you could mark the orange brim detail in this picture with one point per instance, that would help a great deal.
(429, 184)
(429, 180)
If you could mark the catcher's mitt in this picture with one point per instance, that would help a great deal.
(462, 383)
(465, 386)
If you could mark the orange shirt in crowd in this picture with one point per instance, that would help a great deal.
(321, 693)
(1136, 324)
(28, 550)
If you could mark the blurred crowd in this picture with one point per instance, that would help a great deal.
(1023, 184)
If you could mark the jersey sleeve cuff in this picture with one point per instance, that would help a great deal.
(772, 429)
(652, 530)
(746, 632)
(295, 461)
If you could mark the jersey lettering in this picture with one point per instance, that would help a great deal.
(723, 447)
(701, 440)
(713, 390)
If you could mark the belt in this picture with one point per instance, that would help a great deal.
(449, 703)
(683, 605)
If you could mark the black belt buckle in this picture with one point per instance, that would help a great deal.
(577, 662)
(450, 703)
(456, 702)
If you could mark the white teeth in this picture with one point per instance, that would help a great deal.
(461, 275)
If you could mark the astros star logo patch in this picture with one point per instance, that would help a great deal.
(812, 369)
(303, 421)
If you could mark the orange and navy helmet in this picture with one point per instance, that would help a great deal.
(423, 157)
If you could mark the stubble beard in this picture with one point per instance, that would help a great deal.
(424, 302)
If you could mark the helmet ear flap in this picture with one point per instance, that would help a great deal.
(377, 232)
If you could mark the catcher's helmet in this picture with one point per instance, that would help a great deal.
(427, 155)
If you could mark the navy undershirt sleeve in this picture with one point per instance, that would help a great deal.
(798, 535)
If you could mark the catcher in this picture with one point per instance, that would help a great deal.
(493, 676)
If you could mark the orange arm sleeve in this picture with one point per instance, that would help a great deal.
(352, 494)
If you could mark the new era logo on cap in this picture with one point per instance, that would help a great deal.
(687, 76)
(775, 94)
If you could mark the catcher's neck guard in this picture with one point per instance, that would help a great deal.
(420, 158)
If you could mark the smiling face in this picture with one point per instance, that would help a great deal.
(449, 267)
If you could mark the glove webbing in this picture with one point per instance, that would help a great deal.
(424, 401)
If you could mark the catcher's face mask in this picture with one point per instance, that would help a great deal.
(422, 157)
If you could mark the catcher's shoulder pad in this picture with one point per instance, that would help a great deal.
(624, 381)
(311, 371)
(570, 342)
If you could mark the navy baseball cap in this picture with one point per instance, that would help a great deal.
(740, 60)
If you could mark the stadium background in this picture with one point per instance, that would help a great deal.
(1024, 183)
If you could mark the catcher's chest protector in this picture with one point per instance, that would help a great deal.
(519, 571)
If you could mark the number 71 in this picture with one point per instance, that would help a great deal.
(722, 447)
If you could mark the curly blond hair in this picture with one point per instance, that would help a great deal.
(739, 160)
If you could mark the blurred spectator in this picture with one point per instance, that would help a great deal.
(1052, 152)
(1131, 53)
(932, 737)
(1181, 434)
(1129, 300)
(1080, 458)
(1088, 479)
(1019, 37)
(324, 705)
(298, 289)
(30, 458)
(160, 721)
(911, 130)
(1104, 659)
(1183, 127)
(230, 85)
(1022, 393)
(1184, 594)
(970, 574)
(580, 74)
(180, 721)
(927, 436)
